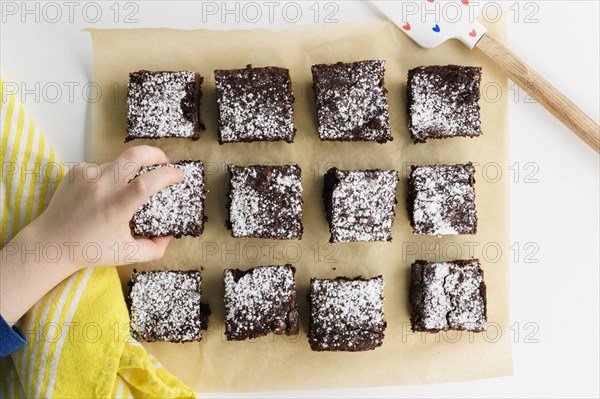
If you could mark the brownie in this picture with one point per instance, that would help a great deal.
(176, 210)
(259, 301)
(360, 204)
(265, 202)
(346, 314)
(447, 296)
(163, 104)
(441, 199)
(443, 101)
(351, 101)
(165, 306)
(254, 104)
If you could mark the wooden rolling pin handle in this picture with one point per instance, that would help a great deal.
(540, 89)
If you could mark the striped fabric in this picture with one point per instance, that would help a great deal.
(26, 159)
(78, 342)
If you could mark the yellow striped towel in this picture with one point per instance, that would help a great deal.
(77, 335)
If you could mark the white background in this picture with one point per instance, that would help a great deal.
(557, 353)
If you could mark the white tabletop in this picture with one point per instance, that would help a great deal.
(555, 194)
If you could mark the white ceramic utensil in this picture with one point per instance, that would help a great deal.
(432, 22)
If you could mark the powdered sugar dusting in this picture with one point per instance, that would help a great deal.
(176, 210)
(442, 199)
(255, 104)
(266, 201)
(346, 314)
(165, 306)
(436, 303)
(363, 205)
(443, 102)
(163, 104)
(452, 296)
(259, 301)
(351, 101)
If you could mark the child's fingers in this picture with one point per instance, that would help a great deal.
(132, 159)
(150, 249)
(144, 155)
(137, 191)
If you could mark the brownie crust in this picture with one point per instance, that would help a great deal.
(443, 102)
(346, 314)
(265, 202)
(164, 104)
(260, 301)
(447, 296)
(360, 204)
(165, 306)
(351, 101)
(178, 209)
(254, 104)
(441, 199)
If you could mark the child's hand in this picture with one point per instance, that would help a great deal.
(88, 216)
(85, 224)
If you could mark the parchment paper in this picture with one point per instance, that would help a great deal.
(275, 362)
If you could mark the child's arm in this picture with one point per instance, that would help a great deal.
(85, 224)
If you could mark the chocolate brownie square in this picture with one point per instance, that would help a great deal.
(259, 301)
(447, 296)
(254, 104)
(265, 202)
(360, 204)
(443, 101)
(352, 101)
(346, 314)
(178, 209)
(163, 104)
(165, 306)
(441, 199)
